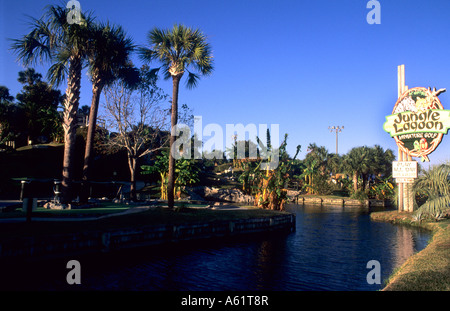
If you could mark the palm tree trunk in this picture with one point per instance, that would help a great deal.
(70, 126)
(174, 120)
(364, 181)
(96, 91)
(355, 181)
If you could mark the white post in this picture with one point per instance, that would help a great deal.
(401, 84)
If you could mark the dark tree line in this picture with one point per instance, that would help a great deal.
(32, 116)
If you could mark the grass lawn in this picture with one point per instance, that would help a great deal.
(428, 270)
(99, 210)
(47, 213)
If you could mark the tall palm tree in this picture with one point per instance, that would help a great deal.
(320, 155)
(357, 162)
(109, 59)
(179, 50)
(52, 39)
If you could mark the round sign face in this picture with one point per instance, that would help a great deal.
(418, 122)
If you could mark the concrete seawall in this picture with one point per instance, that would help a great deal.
(96, 241)
(340, 202)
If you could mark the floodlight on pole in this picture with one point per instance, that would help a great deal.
(336, 129)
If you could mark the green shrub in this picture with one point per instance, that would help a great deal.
(360, 195)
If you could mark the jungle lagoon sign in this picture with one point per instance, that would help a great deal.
(418, 122)
(412, 122)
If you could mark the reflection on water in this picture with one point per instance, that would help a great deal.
(405, 242)
(338, 242)
(328, 251)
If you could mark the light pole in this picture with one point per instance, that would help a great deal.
(336, 129)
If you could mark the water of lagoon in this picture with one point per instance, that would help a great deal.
(329, 251)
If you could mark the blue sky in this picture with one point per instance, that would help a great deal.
(305, 65)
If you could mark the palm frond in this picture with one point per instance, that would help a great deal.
(166, 73)
(146, 54)
(157, 36)
(434, 184)
(57, 73)
(178, 50)
(36, 46)
(435, 206)
(109, 50)
(192, 80)
(52, 39)
(130, 76)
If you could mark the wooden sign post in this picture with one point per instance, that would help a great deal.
(401, 88)
(405, 195)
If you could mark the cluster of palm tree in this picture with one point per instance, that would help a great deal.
(69, 48)
(317, 167)
(360, 163)
(106, 51)
(321, 172)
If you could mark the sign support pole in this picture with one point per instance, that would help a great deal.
(401, 85)
(405, 195)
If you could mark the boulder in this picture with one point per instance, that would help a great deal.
(222, 195)
(56, 206)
